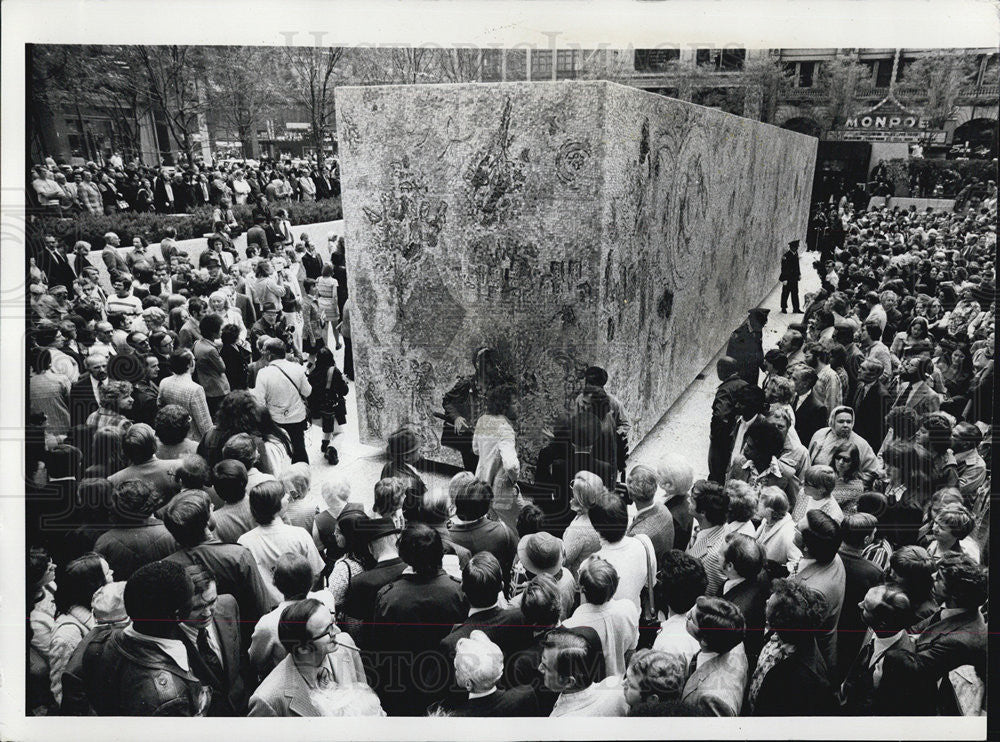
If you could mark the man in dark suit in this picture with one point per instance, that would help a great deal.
(882, 680)
(381, 534)
(581, 454)
(216, 654)
(482, 583)
(478, 666)
(202, 194)
(187, 517)
(913, 389)
(810, 415)
(845, 334)
(870, 403)
(472, 528)
(745, 345)
(83, 394)
(748, 587)
(651, 518)
(163, 193)
(54, 262)
(324, 185)
(411, 617)
(955, 635)
(114, 261)
(858, 529)
(184, 192)
(724, 418)
(789, 277)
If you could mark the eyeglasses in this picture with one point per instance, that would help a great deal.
(331, 631)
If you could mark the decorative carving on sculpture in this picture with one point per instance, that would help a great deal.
(350, 131)
(571, 161)
(493, 178)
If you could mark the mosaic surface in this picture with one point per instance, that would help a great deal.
(564, 224)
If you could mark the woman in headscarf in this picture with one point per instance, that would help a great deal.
(841, 429)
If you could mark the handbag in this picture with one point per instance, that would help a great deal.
(648, 608)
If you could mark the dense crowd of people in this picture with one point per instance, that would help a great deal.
(65, 190)
(832, 562)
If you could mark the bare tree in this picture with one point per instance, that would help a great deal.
(837, 83)
(405, 66)
(313, 76)
(935, 81)
(458, 65)
(243, 85)
(82, 76)
(174, 79)
(615, 65)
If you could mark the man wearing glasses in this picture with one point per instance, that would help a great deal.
(322, 674)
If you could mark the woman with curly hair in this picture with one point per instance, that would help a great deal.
(790, 678)
(240, 412)
(653, 683)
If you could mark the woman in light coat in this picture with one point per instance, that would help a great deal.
(777, 529)
(493, 441)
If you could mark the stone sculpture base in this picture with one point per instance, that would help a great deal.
(564, 224)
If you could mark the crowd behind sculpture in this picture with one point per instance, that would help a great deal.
(833, 561)
(117, 186)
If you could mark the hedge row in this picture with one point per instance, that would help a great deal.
(902, 170)
(93, 227)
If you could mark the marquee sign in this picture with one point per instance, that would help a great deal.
(888, 121)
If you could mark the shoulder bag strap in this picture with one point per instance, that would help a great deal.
(296, 386)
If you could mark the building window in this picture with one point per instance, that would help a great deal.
(991, 70)
(732, 59)
(807, 74)
(491, 64)
(803, 73)
(566, 62)
(883, 73)
(721, 60)
(655, 60)
(516, 65)
(541, 64)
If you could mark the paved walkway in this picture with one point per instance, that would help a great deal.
(683, 428)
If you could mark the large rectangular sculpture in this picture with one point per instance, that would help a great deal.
(564, 224)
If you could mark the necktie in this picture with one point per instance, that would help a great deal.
(324, 677)
(693, 665)
(866, 654)
(210, 657)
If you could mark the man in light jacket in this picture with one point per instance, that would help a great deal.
(283, 388)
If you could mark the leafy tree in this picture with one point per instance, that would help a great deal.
(934, 82)
(837, 84)
(766, 82)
